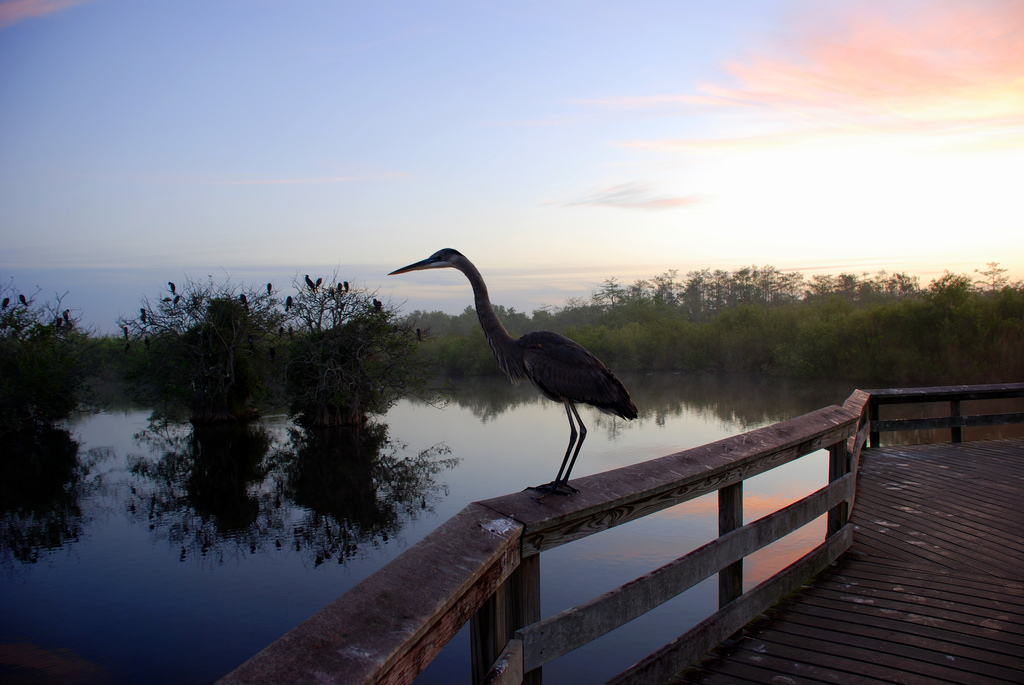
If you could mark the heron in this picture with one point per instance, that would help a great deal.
(561, 369)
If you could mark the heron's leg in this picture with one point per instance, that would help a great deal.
(583, 436)
(558, 483)
(572, 440)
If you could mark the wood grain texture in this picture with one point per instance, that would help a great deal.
(561, 633)
(615, 497)
(390, 626)
(932, 590)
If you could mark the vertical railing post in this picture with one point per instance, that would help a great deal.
(838, 466)
(957, 434)
(730, 517)
(514, 605)
(873, 417)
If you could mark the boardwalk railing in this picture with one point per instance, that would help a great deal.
(956, 421)
(483, 567)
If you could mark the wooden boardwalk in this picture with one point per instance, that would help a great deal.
(932, 590)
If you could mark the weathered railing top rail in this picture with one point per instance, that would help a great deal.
(625, 494)
(945, 393)
(955, 421)
(390, 626)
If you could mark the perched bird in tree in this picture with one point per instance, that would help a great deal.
(67, 315)
(21, 298)
(125, 328)
(142, 315)
(7, 301)
(270, 288)
(377, 305)
(310, 283)
(561, 369)
(288, 303)
(171, 286)
(345, 283)
(319, 281)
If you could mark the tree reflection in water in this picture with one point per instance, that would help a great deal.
(41, 483)
(223, 491)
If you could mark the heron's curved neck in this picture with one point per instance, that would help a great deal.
(489, 321)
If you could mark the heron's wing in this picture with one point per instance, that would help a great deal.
(562, 369)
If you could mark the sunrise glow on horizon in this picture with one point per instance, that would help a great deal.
(555, 144)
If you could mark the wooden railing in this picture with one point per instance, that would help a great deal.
(956, 421)
(483, 566)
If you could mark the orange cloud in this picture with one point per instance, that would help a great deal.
(947, 73)
(16, 10)
(950, 63)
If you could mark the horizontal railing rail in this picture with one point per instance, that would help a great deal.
(956, 421)
(483, 566)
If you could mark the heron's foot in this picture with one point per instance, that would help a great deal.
(556, 487)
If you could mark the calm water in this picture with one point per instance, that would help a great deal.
(132, 552)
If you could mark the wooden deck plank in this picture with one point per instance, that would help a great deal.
(932, 590)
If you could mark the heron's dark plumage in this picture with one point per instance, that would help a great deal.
(562, 369)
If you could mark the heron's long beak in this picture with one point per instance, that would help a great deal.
(428, 263)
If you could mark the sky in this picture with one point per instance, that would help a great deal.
(556, 144)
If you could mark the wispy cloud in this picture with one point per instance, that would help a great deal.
(633, 196)
(950, 62)
(13, 11)
(945, 73)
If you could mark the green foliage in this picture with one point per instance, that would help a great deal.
(348, 356)
(206, 347)
(42, 377)
(880, 328)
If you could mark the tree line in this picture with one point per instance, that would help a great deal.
(880, 328)
(214, 352)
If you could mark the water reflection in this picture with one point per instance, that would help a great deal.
(357, 487)
(744, 399)
(223, 491)
(41, 481)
